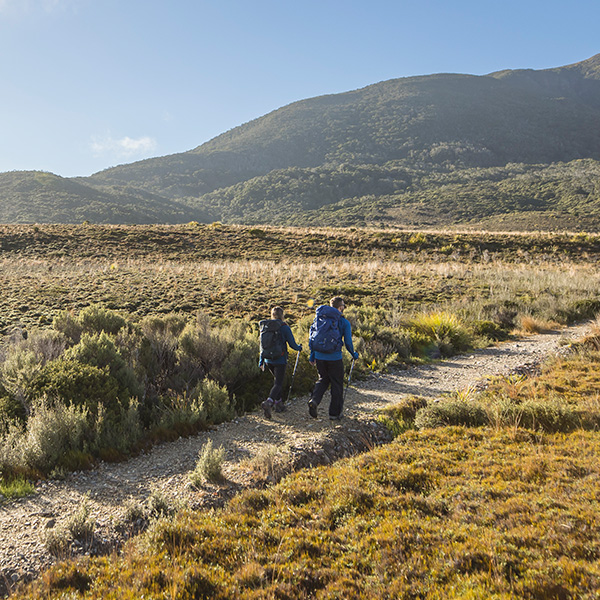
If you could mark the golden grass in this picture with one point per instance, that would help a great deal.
(454, 512)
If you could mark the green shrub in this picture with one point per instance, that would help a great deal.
(97, 319)
(18, 371)
(66, 323)
(120, 433)
(451, 412)
(183, 411)
(78, 383)
(239, 367)
(401, 416)
(551, 415)
(158, 505)
(10, 409)
(200, 351)
(209, 465)
(443, 329)
(51, 431)
(16, 487)
(215, 401)
(489, 330)
(100, 351)
(158, 353)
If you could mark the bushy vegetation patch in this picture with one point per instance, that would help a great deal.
(151, 332)
(100, 385)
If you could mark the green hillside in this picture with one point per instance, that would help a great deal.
(440, 149)
(30, 197)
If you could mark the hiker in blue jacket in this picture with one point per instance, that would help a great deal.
(274, 354)
(326, 354)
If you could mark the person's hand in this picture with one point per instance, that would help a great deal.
(300, 348)
(313, 362)
(355, 356)
(262, 367)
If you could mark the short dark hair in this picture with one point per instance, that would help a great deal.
(336, 301)
(277, 312)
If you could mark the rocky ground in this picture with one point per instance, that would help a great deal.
(118, 497)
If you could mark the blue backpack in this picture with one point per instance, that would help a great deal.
(325, 335)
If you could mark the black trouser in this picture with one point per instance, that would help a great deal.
(278, 371)
(331, 372)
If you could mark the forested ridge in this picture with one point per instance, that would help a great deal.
(513, 149)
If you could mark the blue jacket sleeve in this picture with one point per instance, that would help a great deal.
(347, 337)
(288, 338)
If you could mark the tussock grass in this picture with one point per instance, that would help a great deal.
(270, 463)
(496, 511)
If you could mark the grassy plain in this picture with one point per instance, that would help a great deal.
(498, 507)
(230, 271)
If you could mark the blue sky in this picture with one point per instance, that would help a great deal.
(90, 84)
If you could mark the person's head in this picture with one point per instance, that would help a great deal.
(338, 302)
(277, 313)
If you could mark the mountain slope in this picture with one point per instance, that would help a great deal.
(467, 120)
(359, 154)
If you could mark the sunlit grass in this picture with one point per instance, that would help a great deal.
(499, 511)
(16, 488)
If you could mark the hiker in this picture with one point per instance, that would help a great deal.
(275, 337)
(328, 334)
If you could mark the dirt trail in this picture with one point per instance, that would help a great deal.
(25, 523)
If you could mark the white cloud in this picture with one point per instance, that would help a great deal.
(125, 147)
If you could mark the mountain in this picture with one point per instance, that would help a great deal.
(372, 155)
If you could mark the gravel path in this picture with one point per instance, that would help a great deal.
(111, 490)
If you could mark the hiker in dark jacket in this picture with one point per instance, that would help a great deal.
(329, 364)
(277, 365)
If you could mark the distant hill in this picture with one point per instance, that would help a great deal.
(438, 149)
(38, 197)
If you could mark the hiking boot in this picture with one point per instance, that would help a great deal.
(267, 405)
(312, 409)
(279, 406)
(335, 417)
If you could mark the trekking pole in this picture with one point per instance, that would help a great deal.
(349, 378)
(293, 374)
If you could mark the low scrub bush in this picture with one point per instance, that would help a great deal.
(452, 411)
(490, 330)
(443, 329)
(51, 431)
(18, 371)
(215, 401)
(401, 416)
(181, 412)
(97, 319)
(17, 487)
(270, 463)
(209, 465)
(531, 324)
(80, 384)
(94, 319)
(99, 350)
